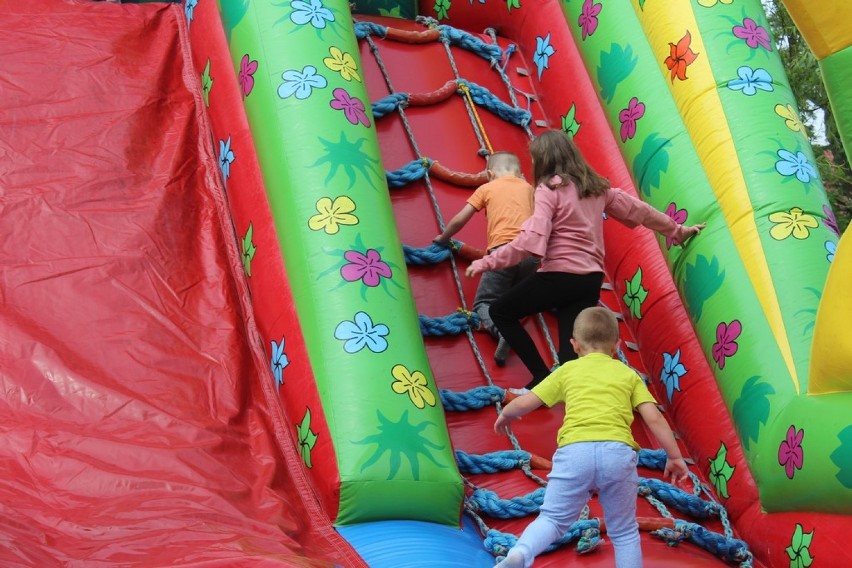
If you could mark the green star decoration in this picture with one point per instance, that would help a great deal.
(721, 471)
(636, 294)
(307, 438)
(799, 551)
(398, 440)
(248, 250)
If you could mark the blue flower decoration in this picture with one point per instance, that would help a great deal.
(361, 333)
(795, 164)
(313, 12)
(543, 51)
(751, 80)
(831, 247)
(226, 157)
(279, 361)
(301, 83)
(672, 371)
(189, 7)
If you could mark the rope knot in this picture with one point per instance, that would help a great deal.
(590, 539)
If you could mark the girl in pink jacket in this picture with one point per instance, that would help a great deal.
(566, 232)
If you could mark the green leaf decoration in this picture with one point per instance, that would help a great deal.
(396, 12)
(651, 162)
(398, 440)
(232, 12)
(635, 294)
(615, 66)
(642, 5)
(307, 438)
(799, 549)
(703, 279)
(751, 409)
(513, 4)
(569, 122)
(248, 250)
(721, 471)
(442, 9)
(206, 83)
(842, 457)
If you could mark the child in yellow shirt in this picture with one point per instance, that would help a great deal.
(596, 449)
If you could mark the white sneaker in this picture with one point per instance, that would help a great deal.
(513, 560)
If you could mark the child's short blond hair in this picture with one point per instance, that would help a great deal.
(596, 328)
(505, 163)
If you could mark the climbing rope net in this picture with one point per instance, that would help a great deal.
(481, 502)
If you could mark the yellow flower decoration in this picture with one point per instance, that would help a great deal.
(415, 384)
(332, 215)
(791, 117)
(794, 223)
(711, 3)
(342, 63)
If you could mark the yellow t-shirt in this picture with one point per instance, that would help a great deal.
(600, 394)
(508, 202)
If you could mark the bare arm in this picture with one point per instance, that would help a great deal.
(456, 223)
(520, 406)
(675, 466)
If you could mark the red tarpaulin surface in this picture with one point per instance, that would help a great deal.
(136, 422)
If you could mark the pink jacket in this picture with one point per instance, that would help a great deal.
(566, 232)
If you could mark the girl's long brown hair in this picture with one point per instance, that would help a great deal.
(554, 153)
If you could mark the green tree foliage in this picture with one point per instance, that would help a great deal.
(806, 82)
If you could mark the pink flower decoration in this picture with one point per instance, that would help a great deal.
(247, 69)
(628, 117)
(753, 34)
(589, 17)
(726, 341)
(679, 216)
(352, 107)
(830, 220)
(790, 453)
(368, 268)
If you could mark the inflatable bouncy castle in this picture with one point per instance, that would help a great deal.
(228, 339)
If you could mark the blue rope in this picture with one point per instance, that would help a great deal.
(492, 462)
(364, 29)
(652, 459)
(433, 254)
(412, 171)
(728, 549)
(470, 42)
(389, 104)
(474, 399)
(678, 498)
(485, 98)
(499, 543)
(453, 324)
(488, 502)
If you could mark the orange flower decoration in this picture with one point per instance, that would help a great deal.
(680, 57)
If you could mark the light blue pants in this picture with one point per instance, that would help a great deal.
(577, 470)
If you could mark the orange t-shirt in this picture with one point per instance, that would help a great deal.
(508, 202)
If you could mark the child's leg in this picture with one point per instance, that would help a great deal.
(529, 296)
(618, 484)
(585, 293)
(568, 488)
(492, 285)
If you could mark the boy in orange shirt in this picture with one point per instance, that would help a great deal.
(507, 200)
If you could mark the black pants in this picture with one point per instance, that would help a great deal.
(566, 293)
